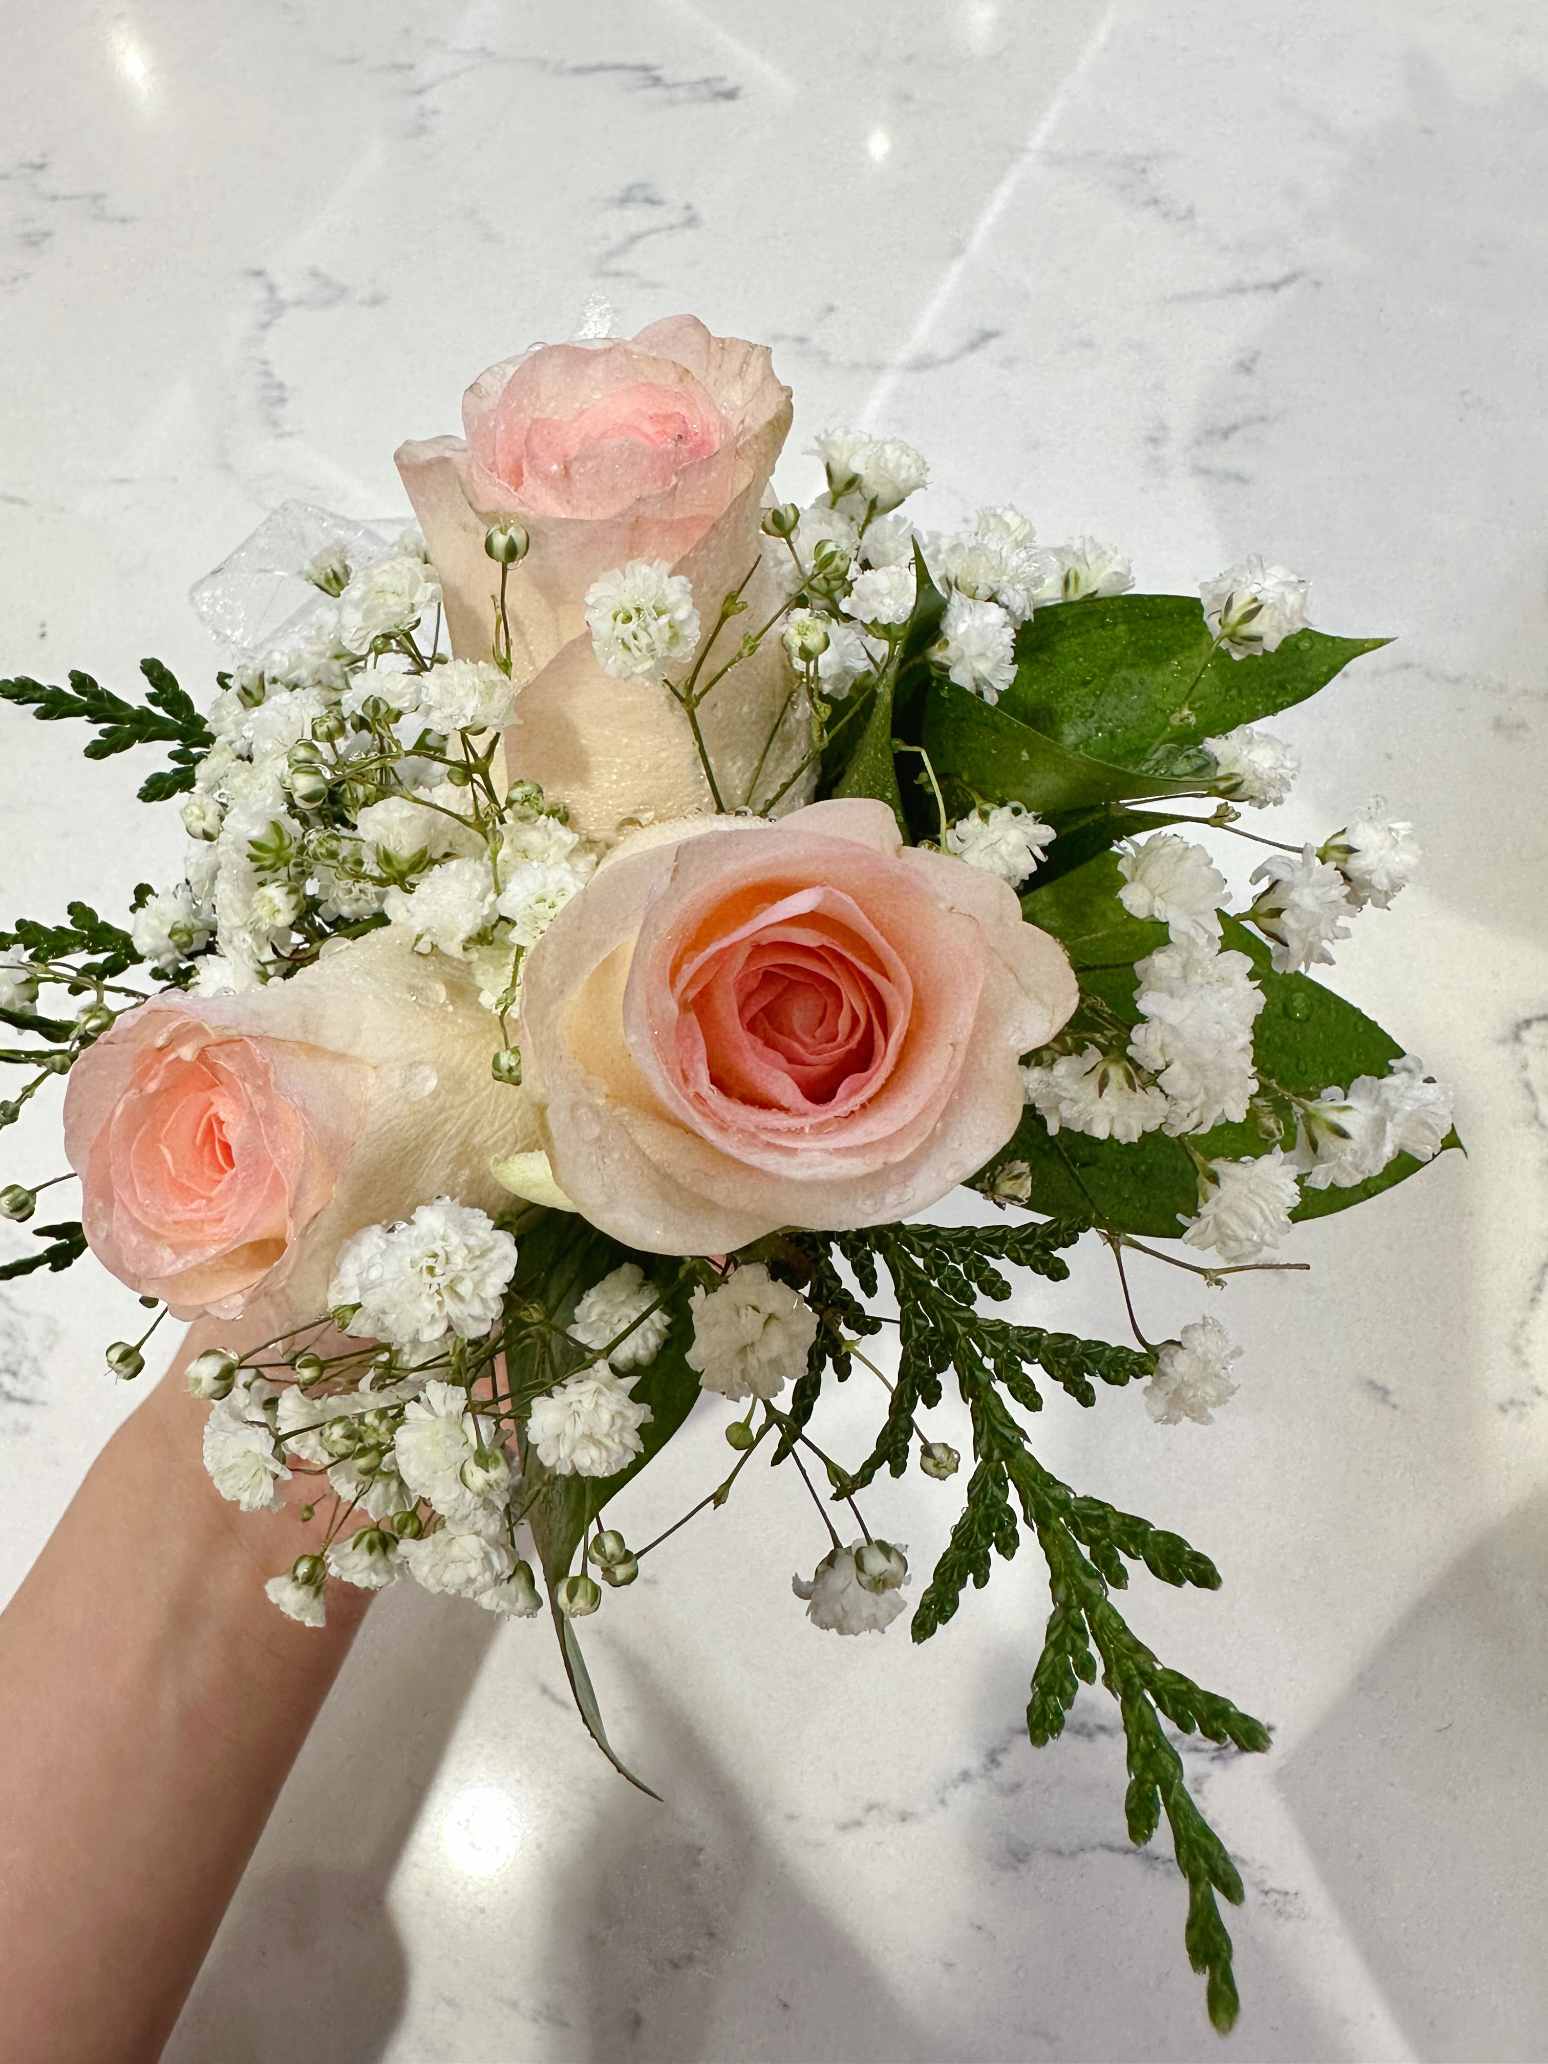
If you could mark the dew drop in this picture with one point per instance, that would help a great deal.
(1297, 1005)
(419, 1082)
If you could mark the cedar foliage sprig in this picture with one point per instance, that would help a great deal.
(67, 1243)
(167, 716)
(102, 950)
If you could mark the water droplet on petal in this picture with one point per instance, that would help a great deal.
(1298, 1004)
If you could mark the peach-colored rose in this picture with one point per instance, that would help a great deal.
(656, 448)
(738, 1026)
(227, 1146)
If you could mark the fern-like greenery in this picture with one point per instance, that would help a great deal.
(166, 716)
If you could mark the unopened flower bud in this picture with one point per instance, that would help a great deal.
(739, 1434)
(577, 1596)
(93, 1021)
(486, 1473)
(880, 1566)
(10, 1111)
(17, 1203)
(308, 1570)
(830, 559)
(607, 1547)
(125, 1360)
(460, 776)
(524, 799)
(508, 543)
(524, 1584)
(380, 1425)
(342, 1315)
(341, 1437)
(329, 727)
(212, 1374)
(938, 1460)
(56, 1063)
(1012, 1183)
(377, 710)
(303, 754)
(505, 1066)
(307, 1365)
(203, 817)
(807, 640)
(781, 521)
(623, 1571)
(408, 1526)
(251, 689)
(328, 570)
(370, 1462)
(308, 786)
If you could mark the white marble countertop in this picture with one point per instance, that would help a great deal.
(1207, 279)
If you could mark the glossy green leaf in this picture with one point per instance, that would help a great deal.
(1132, 681)
(871, 769)
(981, 750)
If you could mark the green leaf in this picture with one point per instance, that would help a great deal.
(167, 716)
(1121, 680)
(1082, 910)
(872, 767)
(559, 1258)
(67, 1243)
(979, 750)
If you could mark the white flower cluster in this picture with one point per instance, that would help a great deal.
(624, 1307)
(642, 620)
(1175, 881)
(1253, 766)
(1192, 1375)
(869, 476)
(443, 1271)
(751, 1334)
(1007, 841)
(1244, 1206)
(589, 1426)
(1347, 1136)
(1253, 607)
(856, 1590)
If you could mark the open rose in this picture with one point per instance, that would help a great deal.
(228, 1145)
(658, 448)
(738, 1026)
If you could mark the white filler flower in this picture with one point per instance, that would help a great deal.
(1088, 570)
(1192, 1375)
(856, 1590)
(368, 1559)
(750, 1334)
(385, 598)
(977, 646)
(1253, 608)
(240, 1454)
(589, 1426)
(466, 695)
(445, 907)
(1253, 766)
(1099, 1095)
(1301, 910)
(1172, 879)
(297, 1601)
(1376, 856)
(458, 1563)
(435, 1449)
(1007, 840)
(882, 595)
(642, 620)
(615, 1303)
(1244, 1206)
(443, 1270)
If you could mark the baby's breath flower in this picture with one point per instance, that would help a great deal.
(839, 1598)
(1244, 1206)
(298, 1598)
(589, 1426)
(1253, 766)
(445, 907)
(441, 1271)
(1007, 841)
(1376, 857)
(642, 620)
(367, 1559)
(239, 1451)
(1172, 879)
(1086, 571)
(751, 1334)
(1252, 607)
(534, 895)
(884, 595)
(1302, 908)
(466, 695)
(977, 646)
(1098, 1094)
(168, 928)
(391, 595)
(458, 1563)
(617, 1301)
(1192, 1375)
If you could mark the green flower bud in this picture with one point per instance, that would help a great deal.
(807, 641)
(17, 1203)
(459, 776)
(10, 1111)
(505, 1066)
(607, 1547)
(507, 543)
(308, 1570)
(524, 1583)
(308, 786)
(880, 1566)
(524, 799)
(340, 1437)
(303, 754)
(369, 1461)
(577, 1596)
(330, 727)
(938, 1460)
(622, 1572)
(342, 1315)
(212, 1374)
(781, 521)
(55, 1063)
(408, 1526)
(252, 690)
(93, 1021)
(308, 1366)
(125, 1360)
(486, 1472)
(378, 711)
(739, 1434)
(202, 817)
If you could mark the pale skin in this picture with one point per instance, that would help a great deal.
(152, 1701)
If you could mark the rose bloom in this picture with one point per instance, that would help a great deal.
(655, 448)
(739, 1025)
(227, 1146)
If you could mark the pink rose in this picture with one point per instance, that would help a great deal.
(227, 1146)
(658, 448)
(738, 1026)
